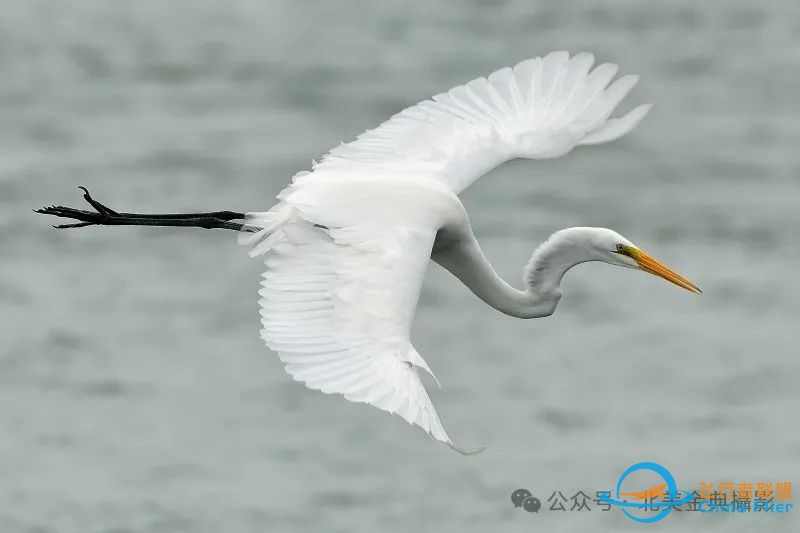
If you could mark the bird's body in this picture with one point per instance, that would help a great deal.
(348, 244)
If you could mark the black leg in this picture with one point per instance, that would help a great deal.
(105, 216)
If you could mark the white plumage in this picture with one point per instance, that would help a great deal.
(347, 246)
(542, 108)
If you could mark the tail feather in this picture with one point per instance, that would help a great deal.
(261, 230)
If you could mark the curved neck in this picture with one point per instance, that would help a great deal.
(465, 260)
(551, 260)
(543, 273)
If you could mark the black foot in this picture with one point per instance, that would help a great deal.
(105, 216)
(102, 216)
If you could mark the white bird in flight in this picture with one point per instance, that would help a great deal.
(347, 246)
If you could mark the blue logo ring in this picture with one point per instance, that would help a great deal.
(672, 491)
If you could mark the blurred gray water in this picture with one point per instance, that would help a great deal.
(136, 395)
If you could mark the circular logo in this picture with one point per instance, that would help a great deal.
(675, 496)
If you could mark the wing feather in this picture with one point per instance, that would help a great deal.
(541, 108)
(337, 301)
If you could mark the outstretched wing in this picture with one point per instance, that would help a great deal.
(541, 108)
(339, 295)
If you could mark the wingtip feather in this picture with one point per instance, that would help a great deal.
(465, 451)
(617, 127)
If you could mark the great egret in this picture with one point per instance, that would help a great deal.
(347, 246)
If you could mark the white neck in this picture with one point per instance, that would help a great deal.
(551, 260)
(543, 274)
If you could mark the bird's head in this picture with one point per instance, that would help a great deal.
(611, 247)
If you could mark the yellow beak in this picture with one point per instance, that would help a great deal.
(648, 264)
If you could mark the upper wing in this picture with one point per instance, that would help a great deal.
(339, 295)
(541, 108)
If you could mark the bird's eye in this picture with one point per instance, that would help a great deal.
(620, 247)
